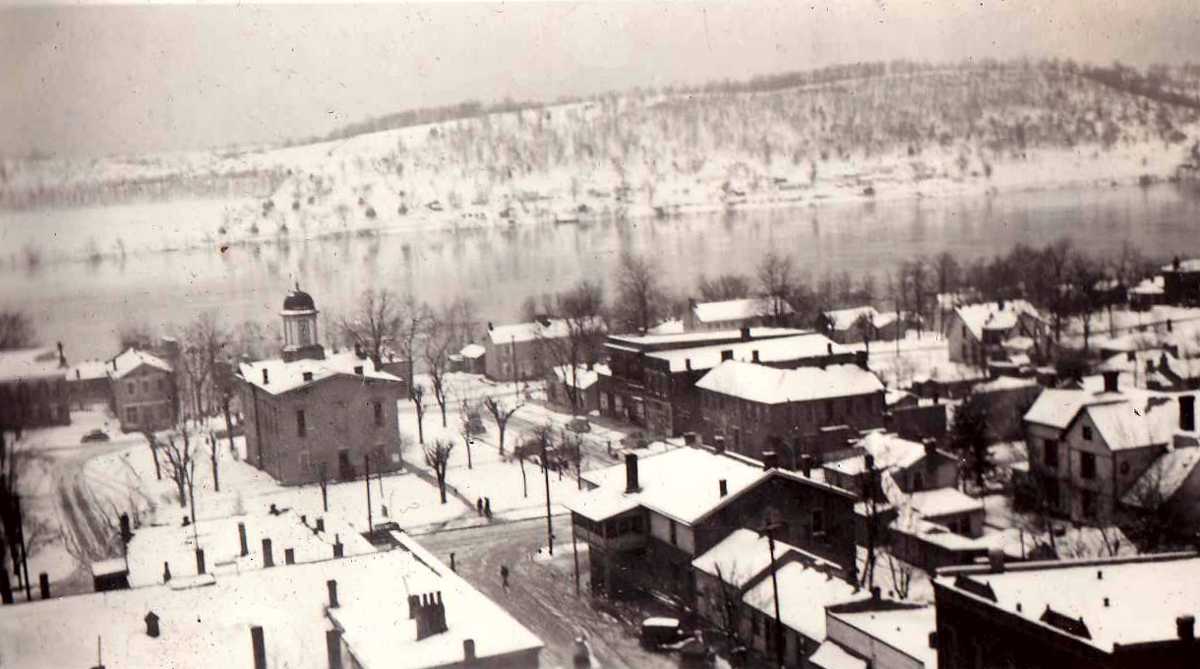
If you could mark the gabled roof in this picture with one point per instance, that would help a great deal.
(889, 451)
(943, 502)
(830, 655)
(132, 359)
(285, 377)
(1057, 407)
(1164, 478)
(804, 592)
(473, 351)
(735, 310)
(583, 378)
(1130, 424)
(521, 332)
(844, 319)
(768, 385)
(991, 315)
(745, 554)
(29, 363)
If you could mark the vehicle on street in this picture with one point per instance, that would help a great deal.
(94, 435)
(658, 633)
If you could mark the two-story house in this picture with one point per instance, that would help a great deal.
(849, 326)
(993, 331)
(651, 378)
(756, 408)
(310, 417)
(518, 351)
(143, 390)
(646, 521)
(33, 388)
(1087, 448)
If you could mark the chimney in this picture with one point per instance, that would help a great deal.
(996, 560)
(242, 540)
(490, 326)
(260, 647)
(860, 359)
(933, 639)
(770, 460)
(829, 348)
(746, 334)
(868, 462)
(1111, 381)
(268, 556)
(687, 363)
(266, 376)
(289, 556)
(307, 376)
(1185, 627)
(338, 548)
(631, 473)
(166, 572)
(331, 586)
(199, 560)
(1001, 305)
(151, 625)
(930, 447)
(806, 462)
(77, 375)
(1131, 356)
(468, 651)
(320, 525)
(44, 584)
(723, 487)
(689, 438)
(358, 369)
(754, 356)
(718, 444)
(1176, 263)
(727, 354)
(1187, 413)
(62, 359)
(333, 647)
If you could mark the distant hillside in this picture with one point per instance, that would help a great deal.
(863, 128)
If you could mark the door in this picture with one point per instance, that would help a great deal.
(345, 467)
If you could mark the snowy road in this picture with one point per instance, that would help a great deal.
(542, 592)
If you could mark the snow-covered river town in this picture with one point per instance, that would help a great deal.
(536, 335)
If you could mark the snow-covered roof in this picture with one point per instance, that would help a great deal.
(1164, 477)
(284, 376)
(175, 545)
(887, 448)
(844, 319)
(29, 363)
(736, 310)
(905, 629)
(1189, 265)
(769, 350)
(1131, 424)
(1001, 383)
(132, 358)
(583, 378)
(697, 339)
(829, 655)
(804, 592)
(88, 370)
(1152, 286)
(1142, 610)
(943, 502)
(553, 328)
(992, 316)
(1057, 407)
(745, 553)
(681, 483)
(768, 385)
(668, 327)
(472, 351)
(207, 623)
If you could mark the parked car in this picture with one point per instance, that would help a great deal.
(660, 632)
(94, 435)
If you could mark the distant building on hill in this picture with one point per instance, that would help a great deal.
(309, 417)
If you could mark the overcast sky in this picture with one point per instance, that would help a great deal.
(99, 80)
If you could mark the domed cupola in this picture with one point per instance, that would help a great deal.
(300, 327)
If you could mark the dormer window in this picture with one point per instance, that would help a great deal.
(1087, 433)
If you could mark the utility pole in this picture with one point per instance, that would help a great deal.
(24, 551)
(769, 530)
(575, 554)
(546, 475)
(367, 481)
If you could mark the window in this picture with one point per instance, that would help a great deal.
(158, 384)
(131, 414)
(378, 414)
(818, 522)
(145, 385)
(1087, 433)
(1087, 465)
(301, 426)
(1050, 453)
(1124, 469)
(131, 388)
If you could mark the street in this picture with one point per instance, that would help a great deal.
(541, 592)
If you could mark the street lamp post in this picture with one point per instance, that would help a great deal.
(769, 530)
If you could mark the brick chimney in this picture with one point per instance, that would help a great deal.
(723, 487)
(1112, 381)
(306, 376)
(806, 463)
(268, 556)
(1185, 627)
(996, 560)
(430, 615)
(62, 358)
(266, 376)
(718, 444)
(358, 370)
(468, 651)
(770, 460)
(860, 359)
(1187, 413)
(245, 548)
(727, 354)
(754, 356)
(631, 473)
(331, 586)
(152, 625)
(333, 647)
(289, 556)
(746, 334)
(199, 560)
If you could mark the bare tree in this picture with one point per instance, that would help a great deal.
(202, 350)
(724, 287)
(501, 413)
(414, 324)
(574, 456)
(579, 336)
(417, 394)
(468, 419)
(946, 270)
(437, 365)
(375, 323)
(152, 442)
(437, 457)
(1148, 516)
(539, 440)
(16, 330)
(778, 285)
(641, 301)
(180, 451)
(729, 605)
(1085, 277)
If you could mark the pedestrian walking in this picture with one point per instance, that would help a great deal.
(504, 576)
(487, 507)
(479, 506)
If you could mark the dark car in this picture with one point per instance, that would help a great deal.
(660, 632)
(94, 435)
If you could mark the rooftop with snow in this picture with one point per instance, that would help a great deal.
(277, 376)
(768, 385)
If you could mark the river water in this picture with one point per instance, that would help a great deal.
(83, 303)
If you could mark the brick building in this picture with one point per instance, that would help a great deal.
(793, 412)
(651, 379)
(33, 388)
(310, 417)
(144, 391)
(1115, 613)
